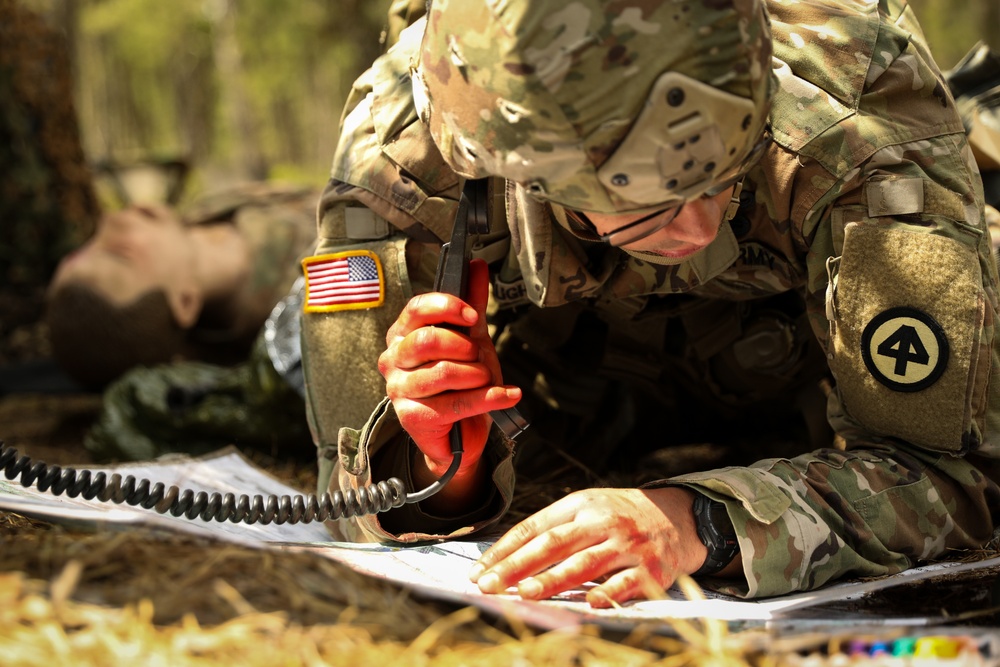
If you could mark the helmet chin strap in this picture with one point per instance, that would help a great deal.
(734, 202)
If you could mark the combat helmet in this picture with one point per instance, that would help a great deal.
(614, 106)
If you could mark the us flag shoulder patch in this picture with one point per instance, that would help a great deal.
(347, 280)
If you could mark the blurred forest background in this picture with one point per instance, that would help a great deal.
(254, 88)
(238, 88)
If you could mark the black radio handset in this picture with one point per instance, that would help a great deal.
(452, 275)
(453, 272)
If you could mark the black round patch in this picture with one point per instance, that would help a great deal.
(905, 349)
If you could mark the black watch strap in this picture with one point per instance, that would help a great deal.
(717, 534)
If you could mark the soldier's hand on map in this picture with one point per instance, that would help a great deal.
(436, 376)
(637, 540)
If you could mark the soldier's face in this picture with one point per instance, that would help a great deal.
(691, 231)
(133, 251)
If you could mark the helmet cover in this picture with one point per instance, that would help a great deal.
(609, 106)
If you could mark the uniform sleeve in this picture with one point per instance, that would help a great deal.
(389, 204)
(903, 299)
(381, 450)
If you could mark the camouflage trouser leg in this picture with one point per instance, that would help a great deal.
(197, 408)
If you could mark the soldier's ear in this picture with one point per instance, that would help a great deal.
(186, 306)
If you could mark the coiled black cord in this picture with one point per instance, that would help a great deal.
(216, 506)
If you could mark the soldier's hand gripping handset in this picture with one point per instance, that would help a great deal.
(443, 376)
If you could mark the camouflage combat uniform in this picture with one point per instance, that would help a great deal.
(858, 253)
(238, 392)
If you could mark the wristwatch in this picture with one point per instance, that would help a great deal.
(716, 532)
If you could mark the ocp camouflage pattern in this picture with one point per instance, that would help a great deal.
(866, 137)
(196, 408)
(553, 109)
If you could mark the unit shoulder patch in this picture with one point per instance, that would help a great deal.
(348, 280)
(905, 349)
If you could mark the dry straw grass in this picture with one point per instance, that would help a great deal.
(139, 597)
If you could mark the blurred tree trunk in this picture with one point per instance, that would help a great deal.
(66, 17)
(991, 23)
(47, 203)
(194, 92)
(239, 115)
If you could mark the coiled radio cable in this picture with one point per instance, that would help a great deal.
(218, 507)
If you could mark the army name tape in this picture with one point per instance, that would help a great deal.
(349, 280)
(905, 349)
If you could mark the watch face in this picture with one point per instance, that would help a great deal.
(717, 534)
(720, 519)
(712, 516)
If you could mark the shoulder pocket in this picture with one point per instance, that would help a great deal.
(907, 328)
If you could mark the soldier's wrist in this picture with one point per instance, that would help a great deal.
(466, 486)
(435, 468)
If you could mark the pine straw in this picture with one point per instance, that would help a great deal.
(118, 597)
(108, 598)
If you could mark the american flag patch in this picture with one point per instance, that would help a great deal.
(343, 281)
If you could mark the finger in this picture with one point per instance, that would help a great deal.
(583, 566)
(560, 512)
(429, 344)
(430, 309)
(445, 409)
(630, 584)
(553, 546)
(437, 378)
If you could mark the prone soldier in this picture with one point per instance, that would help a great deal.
(708, 219)
(181, 318)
